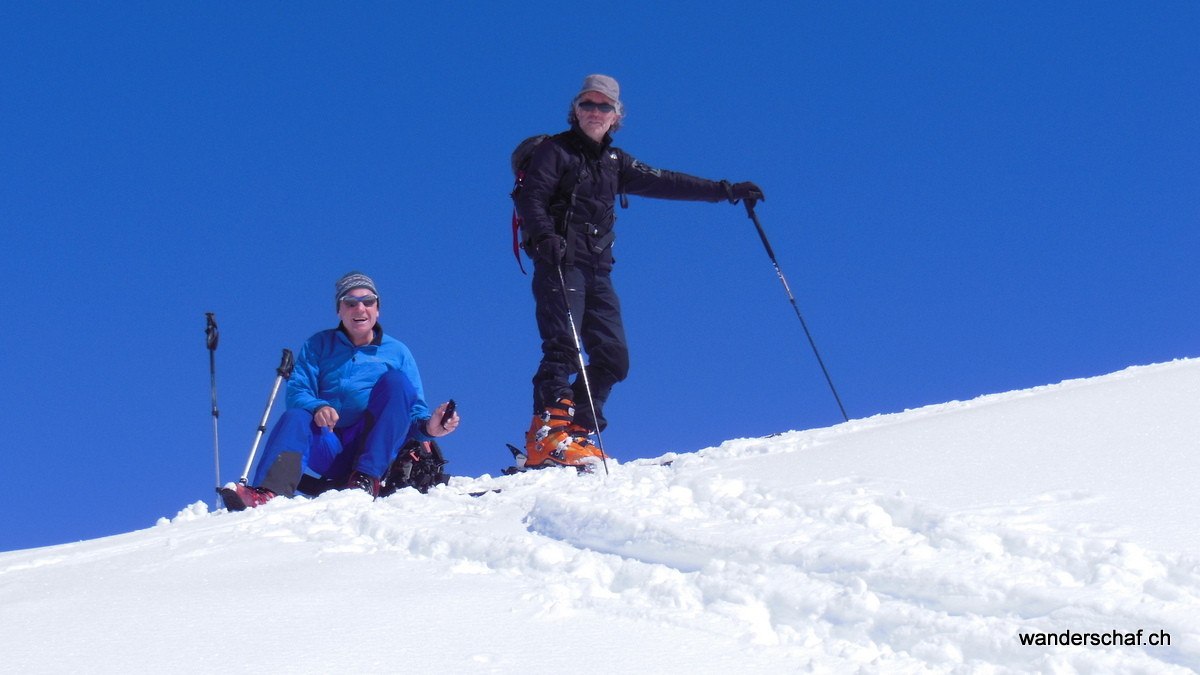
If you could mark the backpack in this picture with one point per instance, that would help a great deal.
(419, 465)
(520, 162)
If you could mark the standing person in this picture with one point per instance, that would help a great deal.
(354, 398)
(566, 209)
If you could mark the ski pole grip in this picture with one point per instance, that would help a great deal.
(211, 333)
(761, 235)
(286, 365)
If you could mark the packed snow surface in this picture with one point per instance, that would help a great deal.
(933, 540)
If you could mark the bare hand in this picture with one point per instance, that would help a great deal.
(326, 417)
(434, 427)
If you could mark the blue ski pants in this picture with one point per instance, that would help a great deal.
(369, 445)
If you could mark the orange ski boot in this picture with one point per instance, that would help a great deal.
(554, 440)
(547, 432)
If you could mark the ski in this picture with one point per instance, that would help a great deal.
(519, 466)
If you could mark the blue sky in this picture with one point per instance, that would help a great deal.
(966, 198)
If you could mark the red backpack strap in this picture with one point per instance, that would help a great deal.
(516, 225)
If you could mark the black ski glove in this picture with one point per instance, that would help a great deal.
(551, 250)
(740, 191)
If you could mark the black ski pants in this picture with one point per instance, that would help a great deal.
(597, 313)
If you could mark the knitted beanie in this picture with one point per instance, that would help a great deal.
(351, 281)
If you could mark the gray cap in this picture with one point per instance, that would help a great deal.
(602, 84)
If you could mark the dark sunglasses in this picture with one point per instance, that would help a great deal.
(592, 105)
(352, 301)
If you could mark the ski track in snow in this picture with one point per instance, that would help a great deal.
(835, 568)
(875, 577)
(827, 574)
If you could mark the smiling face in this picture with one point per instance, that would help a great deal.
(595, 123)
(357, 318)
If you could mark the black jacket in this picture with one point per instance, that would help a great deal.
(570, 176)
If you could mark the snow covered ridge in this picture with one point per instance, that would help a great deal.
(965, 537)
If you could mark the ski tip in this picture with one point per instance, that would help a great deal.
(519, 458)
(231, 499)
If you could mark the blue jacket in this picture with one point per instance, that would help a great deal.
(331, 371)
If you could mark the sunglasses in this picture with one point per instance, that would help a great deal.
(353, 301)
(592, 105)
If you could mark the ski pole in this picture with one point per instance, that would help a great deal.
(213, 336)
(771, 253)
(582, 366)
(283, 372)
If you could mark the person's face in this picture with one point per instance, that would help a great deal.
(595, 122)
(357, 317)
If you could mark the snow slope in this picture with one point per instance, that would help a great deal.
(924, 541)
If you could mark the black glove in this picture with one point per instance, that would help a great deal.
(747, 190)
(551, 250)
